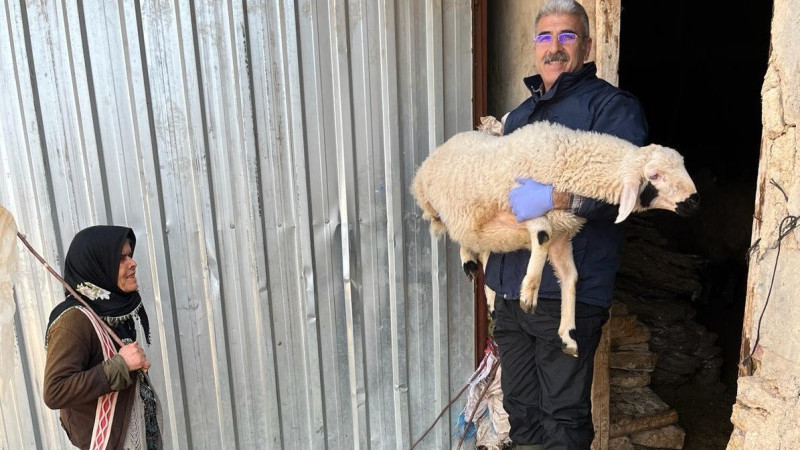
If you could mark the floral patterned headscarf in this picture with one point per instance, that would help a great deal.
(91, 268)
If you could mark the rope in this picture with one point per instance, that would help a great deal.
(453, 400)
(69, 288)
(439, 416)
(490, 347)
(475, 409)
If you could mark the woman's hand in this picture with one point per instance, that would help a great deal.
(134, 357)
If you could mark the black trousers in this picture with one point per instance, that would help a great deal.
(547, 393)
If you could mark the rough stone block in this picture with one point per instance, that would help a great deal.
(633, 360)
(640, 334)
(623, 326)
(620, 443)
(629, 378)
(670, 436)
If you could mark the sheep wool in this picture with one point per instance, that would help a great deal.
(462, 188)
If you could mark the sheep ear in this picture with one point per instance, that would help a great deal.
(630, 191)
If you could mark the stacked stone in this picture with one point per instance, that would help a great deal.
(654, 339)
(639, 418)
(658, 285)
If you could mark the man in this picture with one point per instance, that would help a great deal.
(547, 393)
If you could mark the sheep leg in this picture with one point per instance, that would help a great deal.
(540, 232)
(564, 266)
(469, 261)
(490, 294)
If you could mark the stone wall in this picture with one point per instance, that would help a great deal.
(767, 409)
(510, 53)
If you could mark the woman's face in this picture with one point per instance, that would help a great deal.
(126, 279)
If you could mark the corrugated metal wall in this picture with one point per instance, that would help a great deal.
(262, 151)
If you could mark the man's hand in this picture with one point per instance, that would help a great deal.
(531, 199)
(134, 357)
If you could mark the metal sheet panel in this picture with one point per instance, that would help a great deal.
(262, 151)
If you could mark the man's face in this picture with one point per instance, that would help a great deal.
(126, 279)
(554, 57)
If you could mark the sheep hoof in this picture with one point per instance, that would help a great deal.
(569, 349)
(471, 269)
(527, 305)
(568, 344)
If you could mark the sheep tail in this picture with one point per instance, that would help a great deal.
(437, 226)
(428, 211)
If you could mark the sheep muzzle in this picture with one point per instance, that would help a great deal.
(689, 206)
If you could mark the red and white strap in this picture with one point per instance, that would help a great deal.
(106, 404)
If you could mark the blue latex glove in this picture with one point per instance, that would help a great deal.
(531, 199)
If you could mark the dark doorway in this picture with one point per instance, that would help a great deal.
(698, 68)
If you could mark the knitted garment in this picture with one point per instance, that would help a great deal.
(144, 427)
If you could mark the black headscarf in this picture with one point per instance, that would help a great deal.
(94, 257)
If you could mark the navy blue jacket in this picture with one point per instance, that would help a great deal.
(580, 101)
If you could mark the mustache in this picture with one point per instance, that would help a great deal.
(556, 57)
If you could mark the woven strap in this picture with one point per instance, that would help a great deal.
(104, 416)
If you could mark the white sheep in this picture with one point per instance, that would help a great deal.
(462, 187)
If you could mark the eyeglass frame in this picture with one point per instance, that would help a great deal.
(560, 38)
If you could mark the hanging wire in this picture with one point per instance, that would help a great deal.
(787, 225)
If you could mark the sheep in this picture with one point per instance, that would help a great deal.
(462, 188)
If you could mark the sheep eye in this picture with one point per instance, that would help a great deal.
(654, 176)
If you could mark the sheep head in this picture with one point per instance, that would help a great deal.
(663, 183)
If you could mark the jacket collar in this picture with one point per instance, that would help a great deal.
(564, 83)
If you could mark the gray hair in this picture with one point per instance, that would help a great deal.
(569, 7)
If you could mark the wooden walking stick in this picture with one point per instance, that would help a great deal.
(6, 216)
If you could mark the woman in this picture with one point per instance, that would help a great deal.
(105, 399)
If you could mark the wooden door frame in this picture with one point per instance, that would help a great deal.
(480, 108)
